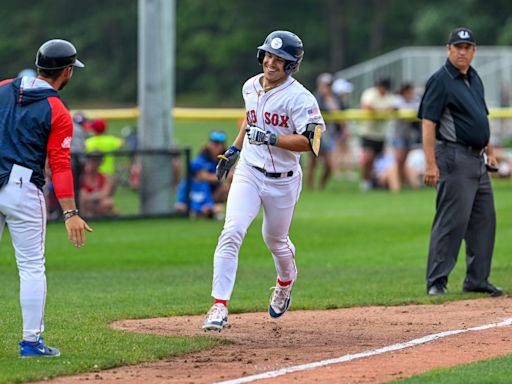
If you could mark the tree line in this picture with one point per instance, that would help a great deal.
(216, 40)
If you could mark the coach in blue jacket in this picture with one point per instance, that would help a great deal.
(36, 126)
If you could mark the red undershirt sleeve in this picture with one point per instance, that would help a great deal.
(58, 149)
(3, 82)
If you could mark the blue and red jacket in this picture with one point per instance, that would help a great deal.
(34, 125)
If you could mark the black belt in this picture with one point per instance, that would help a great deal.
(464, 147)
(274, 175)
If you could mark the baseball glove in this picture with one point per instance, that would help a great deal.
(226, 161)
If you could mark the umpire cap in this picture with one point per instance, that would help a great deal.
(461, 35)
(57, 54)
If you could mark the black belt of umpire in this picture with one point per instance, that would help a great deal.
(274, 175)
(464, 147)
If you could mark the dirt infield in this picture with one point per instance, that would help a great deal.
(299, 337)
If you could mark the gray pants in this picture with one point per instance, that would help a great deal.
(464, 210)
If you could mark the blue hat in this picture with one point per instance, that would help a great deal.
(218, 136)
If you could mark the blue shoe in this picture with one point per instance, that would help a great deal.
(280, 300)
(37, 349)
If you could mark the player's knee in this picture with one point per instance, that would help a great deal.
(33, 271)
(233, 233)
(275, 242)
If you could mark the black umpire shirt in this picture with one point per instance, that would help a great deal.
(455, 102)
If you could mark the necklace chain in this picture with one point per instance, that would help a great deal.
(270, 87)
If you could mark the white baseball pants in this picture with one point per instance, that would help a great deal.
(23, 208)
(250, 190)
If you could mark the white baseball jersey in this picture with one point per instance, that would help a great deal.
(283, 110)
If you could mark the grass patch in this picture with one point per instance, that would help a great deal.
(353, 249)
(493, 371)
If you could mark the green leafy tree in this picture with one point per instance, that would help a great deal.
(216, 40)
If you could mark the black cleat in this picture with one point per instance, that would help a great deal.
(488, 288)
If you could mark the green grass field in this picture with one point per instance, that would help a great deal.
(353, 249)
(187, 134)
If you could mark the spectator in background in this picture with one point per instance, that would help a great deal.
(131, 143)
(327, 102)
(406, 133)
(100, 142)
(385, 172)
(207, 194)
(342, 155)
(80, 128)
(373, 132)
(386, 175)
(415, 167)
(130, 137)
(95, 196)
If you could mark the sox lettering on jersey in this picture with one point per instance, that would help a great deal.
(251, 117)
(270, 118)
(276, 120)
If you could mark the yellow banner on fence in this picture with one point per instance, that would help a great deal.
(230, 114)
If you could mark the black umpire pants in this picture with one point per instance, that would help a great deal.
(464, 210)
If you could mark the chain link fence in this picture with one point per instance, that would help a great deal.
(108, 185)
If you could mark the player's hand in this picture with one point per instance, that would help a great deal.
(226, 161)
(258, 136)
(431, 177)
(76, 228)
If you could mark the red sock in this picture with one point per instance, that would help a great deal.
(223, 302)
(284, 283)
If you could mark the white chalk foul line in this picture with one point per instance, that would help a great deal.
(373, 352)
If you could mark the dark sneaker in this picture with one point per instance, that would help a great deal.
(37, 349)
(488, 288)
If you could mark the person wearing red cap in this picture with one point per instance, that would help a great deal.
(101, 142)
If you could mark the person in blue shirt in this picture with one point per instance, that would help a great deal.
(207, 195)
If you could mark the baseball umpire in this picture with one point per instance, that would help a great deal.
(35, 125)
(455, 140)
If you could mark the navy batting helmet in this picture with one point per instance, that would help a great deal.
(57, 54)
(286, 45)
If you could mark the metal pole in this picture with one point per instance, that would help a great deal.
(156, 99)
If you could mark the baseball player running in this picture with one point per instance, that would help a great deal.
(36, 126)
(282, 120)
